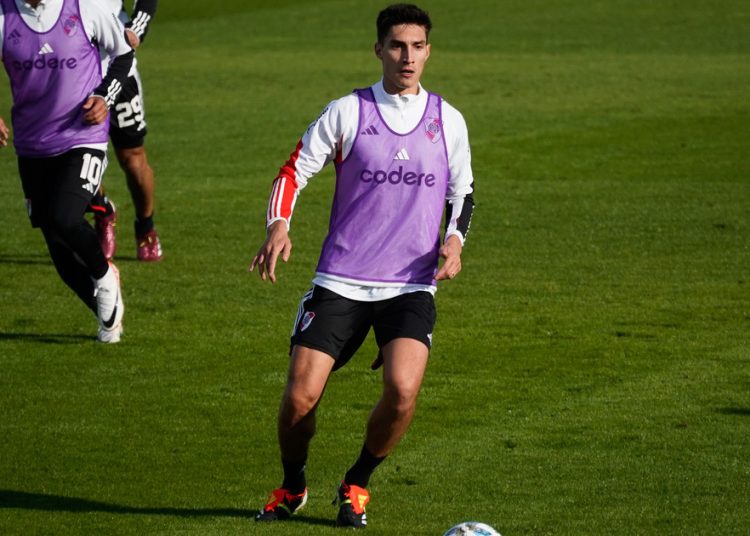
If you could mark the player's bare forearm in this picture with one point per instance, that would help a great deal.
(133, 40)
(4, 133)
(277, 243)
(451, 252)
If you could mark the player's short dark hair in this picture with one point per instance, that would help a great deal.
(402, 14)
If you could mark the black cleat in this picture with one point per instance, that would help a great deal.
(281, 505)
(351, 501)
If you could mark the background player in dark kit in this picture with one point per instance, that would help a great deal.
(127, 132)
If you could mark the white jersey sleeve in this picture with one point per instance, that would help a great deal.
(104, 28)
(324, 141)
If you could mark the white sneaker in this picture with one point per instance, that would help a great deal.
(109, 306)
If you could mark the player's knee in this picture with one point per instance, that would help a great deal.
(401, 399)
(297, 405)
(302, 403)
(133, 161)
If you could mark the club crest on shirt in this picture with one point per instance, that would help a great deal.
(306, 321)
(433, 127)
(71, 24)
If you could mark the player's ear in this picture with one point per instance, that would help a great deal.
(379, 50)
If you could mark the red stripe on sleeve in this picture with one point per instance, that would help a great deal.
(285, 188)
(289, 169)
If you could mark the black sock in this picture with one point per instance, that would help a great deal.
(359, 474)
(294, 477)
(144, 225)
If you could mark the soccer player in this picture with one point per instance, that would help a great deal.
(127, 131)
(53, 51)
(401, 155)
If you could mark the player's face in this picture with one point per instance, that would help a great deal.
(403, 53)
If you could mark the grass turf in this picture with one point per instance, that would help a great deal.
(591, 368)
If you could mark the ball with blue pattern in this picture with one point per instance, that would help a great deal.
(472, 528)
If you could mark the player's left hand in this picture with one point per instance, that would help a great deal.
(277, 244)
(96, 110)
(4, 133)
(451, 252)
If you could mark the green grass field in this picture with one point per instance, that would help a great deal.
(591, 366)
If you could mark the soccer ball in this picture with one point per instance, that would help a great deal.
(471, 528)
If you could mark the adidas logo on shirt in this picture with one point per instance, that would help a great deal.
(15, 36)
(372, 131)
(402, 155)
(46, 49)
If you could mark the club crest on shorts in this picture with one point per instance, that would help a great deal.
(306, 321)
(71, 25)
(433, 127)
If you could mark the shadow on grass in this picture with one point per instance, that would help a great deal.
(27, 260)
(735, 411)
(56, 503)
(46, 338)
(44, 260)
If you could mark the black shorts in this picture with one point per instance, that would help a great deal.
(127, 124)
(328, 322)
(72, 177)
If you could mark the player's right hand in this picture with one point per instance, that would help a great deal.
(277, 243)
(95, 110)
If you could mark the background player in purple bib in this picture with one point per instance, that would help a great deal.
(402, 157)
(55, 52)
